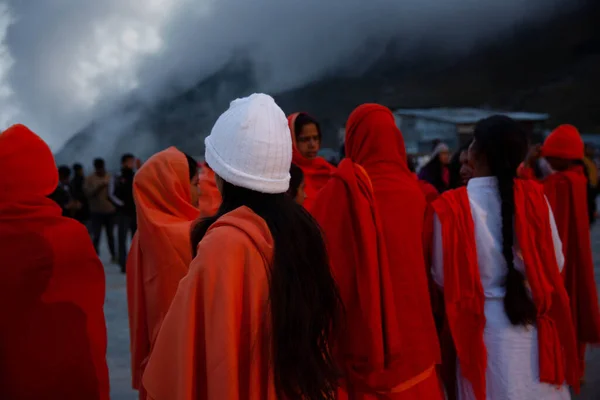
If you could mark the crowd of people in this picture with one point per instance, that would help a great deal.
(265, 272)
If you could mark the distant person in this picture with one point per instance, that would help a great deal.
(296, 190)
(210, 197)
(460, 170)
(253, 316)
(101, 208)
(121, 194)
(306, 141)
(427, 188)
(566, 189)
(166, 193)
(53, 334)
(497, 257)
(436, 170)
(62, 193)
(82, 214)
(372, 213)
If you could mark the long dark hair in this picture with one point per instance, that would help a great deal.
(192, 165)
(305, 305)
(503, 143)
(297, 176)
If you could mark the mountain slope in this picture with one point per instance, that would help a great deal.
(550, 67)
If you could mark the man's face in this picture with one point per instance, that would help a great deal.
(129, 163)
(308, 142)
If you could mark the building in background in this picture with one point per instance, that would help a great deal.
(454, 126)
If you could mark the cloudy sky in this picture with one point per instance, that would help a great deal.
(64, 63)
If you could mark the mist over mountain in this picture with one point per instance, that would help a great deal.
(549, 65)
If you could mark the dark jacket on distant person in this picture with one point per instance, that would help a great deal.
(121, 192)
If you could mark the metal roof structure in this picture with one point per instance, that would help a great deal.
(466, 115)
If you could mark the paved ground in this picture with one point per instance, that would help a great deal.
(118, 334)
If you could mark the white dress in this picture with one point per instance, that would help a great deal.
(513, 368)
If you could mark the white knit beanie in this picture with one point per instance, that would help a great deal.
(250, 145)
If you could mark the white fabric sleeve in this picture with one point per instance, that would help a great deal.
(558, 249)
(437, 258)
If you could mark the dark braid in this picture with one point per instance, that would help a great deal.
(503, 143)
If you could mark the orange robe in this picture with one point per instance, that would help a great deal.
(52, 287)
(160, 253)
(317, 171)
(214, 342)
(567, 194)
(210, 197)
(463, 292)
(372, 213)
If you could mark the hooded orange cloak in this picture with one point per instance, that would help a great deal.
(372, 213)
(53, 341)
(214, 342)
(160, 253)
(317, 171)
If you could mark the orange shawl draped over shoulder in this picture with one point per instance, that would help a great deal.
(372, 213)
(463, 292)
(160, 253)
(317, 171)
(52, 287)
(214, 343)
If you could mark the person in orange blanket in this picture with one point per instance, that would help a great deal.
(253, 317)
(53, 337)
(210, 198)
(497, 256)
(566, 189)
(372, 213)
(306, 140)
(166, 194)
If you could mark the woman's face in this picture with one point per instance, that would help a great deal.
(466, 171)
(444, 157)
(308, 142)
(301, 195)
(477, 161)
(195, 190)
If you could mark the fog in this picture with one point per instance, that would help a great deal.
(65, 63)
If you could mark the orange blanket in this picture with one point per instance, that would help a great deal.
(463, 293)
(214, 342)
(53, 339)
(317, 171)
(160, 253)
(372, 213)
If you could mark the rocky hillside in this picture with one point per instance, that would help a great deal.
(551, 67)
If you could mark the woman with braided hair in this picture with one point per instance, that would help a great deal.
(497, 255)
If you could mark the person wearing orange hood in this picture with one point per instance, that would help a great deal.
(210, 198)
(166, 194)
(566, 189)
(253, 317)
(53, 337)
(306, 141)
(372, 212)
(497, 256)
